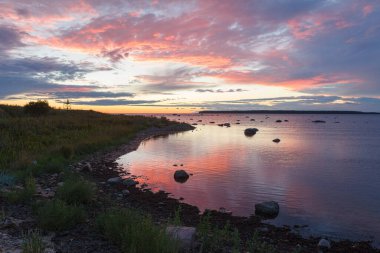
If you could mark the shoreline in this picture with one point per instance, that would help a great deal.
(161, 206)
(100, 166)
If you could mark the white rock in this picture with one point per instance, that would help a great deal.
(186, 235)
(125, 192)
(324, 244)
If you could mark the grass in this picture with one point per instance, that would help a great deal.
(23, 195)
(62, 135)
(214, 239)
(255, 245)
(76, 191)
(33, 242)
(56, 215)
(135, 232)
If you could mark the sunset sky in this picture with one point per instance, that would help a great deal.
(184, 56)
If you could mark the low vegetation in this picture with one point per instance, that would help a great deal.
(56, 215)
(23, 195)
(135, 232)
(61, 135)
(33, 242)
(76, 191)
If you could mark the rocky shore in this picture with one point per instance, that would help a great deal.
(100, 167)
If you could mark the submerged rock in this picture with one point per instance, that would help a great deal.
(181, 176)
(250, 131)
(277, 140)
(319, 121)
(269, 209)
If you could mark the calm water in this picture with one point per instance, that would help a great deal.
(326, 176)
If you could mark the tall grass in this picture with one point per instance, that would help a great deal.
(56, 215)
(134, 232)
(62, 134)
(25, 194)
(76, 191)
(33, 242)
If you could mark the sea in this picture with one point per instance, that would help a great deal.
(325, 176)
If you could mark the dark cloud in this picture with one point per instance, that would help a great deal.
(89, 94)
(219, 90)
(46, 67)
(115, 55)
(113, 102)
(10, 38)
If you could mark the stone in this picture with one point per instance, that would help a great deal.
(250, 131)
(278, 121)
(277, 140)
(324, 245)
(319, 121)
(87, 167)
(268, 209)
(181, 176)
(185, 235)
(115, 180)
(130, 182)
(126, 192)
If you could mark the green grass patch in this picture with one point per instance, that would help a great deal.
(23, 195)
(56, 215)
(76, 191)
(62, 135)
(33, 242)
(135, 232)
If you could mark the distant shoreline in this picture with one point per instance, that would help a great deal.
(286, 112)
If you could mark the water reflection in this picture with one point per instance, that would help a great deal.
(323, 175)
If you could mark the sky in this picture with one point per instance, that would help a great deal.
(168, 56)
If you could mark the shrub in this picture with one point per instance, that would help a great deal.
(41, 107)
(76, 191)
(67, 152)
(33, 243)
(134, 232)
(256, 245)
(23, 195)
(56, 215)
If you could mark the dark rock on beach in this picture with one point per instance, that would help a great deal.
(277, 140)
(319, 121)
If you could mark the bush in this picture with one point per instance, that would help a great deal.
(41, 107)
(23, 195)
(134, 232)
(76, 191)
(67, 152)
(32, 243)
(56, 215)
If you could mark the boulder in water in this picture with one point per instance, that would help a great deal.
(250, 131)
(268, 209)
(181, 176)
